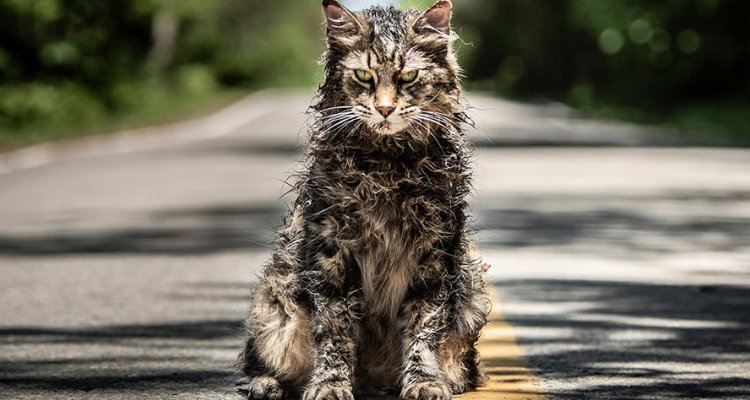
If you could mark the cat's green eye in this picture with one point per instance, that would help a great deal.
(410, 76)
(363, 75)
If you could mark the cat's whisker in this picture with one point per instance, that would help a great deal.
(339, 114)
(333, 121)
(441, 119)
(420, 124)
(433, 97)
(434, 121)
(446, 117)
(326, 114)
(429, 132)
(347, 125)
(354, 129)
(342, 123)
(334, 108)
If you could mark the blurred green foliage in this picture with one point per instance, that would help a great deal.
(684, 63)
(78, 64)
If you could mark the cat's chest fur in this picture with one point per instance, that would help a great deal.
(396, 222)
(387, 262)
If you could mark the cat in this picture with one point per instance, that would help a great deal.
(372, 287)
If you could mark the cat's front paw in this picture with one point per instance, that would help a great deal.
(264, 388)
(328, 391)
(431, 390)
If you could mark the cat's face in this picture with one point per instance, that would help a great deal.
(395, 70)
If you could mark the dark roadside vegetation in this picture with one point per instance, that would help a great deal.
(71, 67)
(680, 64)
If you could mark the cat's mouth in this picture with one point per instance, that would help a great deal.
(387, 127)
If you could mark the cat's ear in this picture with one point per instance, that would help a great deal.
(437, 17)
(339, 20)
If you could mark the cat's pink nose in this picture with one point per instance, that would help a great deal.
(385, 111)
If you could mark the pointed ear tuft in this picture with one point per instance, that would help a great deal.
(338, 19)
(438, 16)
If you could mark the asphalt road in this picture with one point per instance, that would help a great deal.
(125, 261)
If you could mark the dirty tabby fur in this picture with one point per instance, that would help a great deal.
(372, 288)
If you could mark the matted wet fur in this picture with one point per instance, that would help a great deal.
(372, 287)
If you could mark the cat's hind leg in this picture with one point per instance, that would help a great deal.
(459, 355)
(278, 353)
(260, 385)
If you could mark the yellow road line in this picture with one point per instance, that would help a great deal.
(504, 363)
